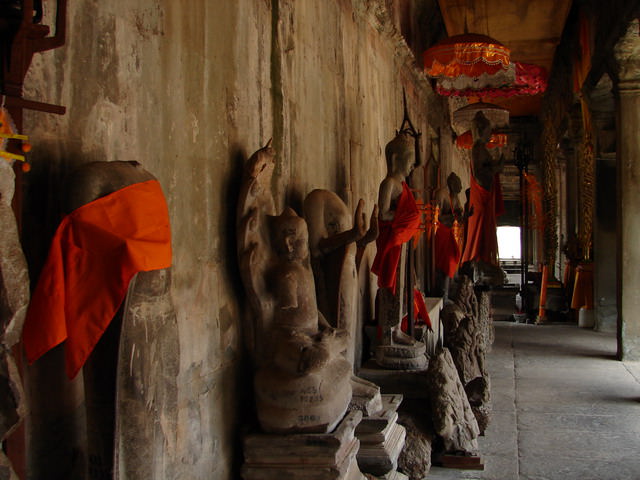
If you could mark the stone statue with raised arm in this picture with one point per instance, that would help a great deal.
(302, 379)
(399, 220)
(337, 243)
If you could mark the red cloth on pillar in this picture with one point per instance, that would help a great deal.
(447, 251)
(96, 251)
(405, 223)
(482, 241)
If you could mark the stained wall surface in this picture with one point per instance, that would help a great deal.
(190, 90)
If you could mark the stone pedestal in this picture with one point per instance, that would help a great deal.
(402, 357)
(446, 404)
(314, 456)
(391, 353)
(413, 385)
(409, 383)
(381, 439)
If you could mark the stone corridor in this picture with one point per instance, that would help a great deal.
(564, 408)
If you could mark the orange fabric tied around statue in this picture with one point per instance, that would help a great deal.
(405, 223)
(95, 253)
(583, 288)
(420, 314)
(447, 250)
(487, 205)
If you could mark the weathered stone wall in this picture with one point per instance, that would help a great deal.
(190, 90)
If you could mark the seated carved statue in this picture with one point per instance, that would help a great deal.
(306, 381)
(302, 379)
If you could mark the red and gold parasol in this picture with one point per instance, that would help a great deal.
(469, 54)
(529, 79)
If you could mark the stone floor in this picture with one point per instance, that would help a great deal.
(564, 408)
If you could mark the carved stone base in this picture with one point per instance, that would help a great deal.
(313, 456)
(381, 439)
(402, 357)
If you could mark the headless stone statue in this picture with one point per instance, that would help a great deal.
(14, 297)
(302, 379)
(447, 249)
(130, 377)
(336, 244)
(399, 220)
(139, 353)
(481, 246)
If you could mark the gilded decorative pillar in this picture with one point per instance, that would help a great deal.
(550, 192)
(627, 56)
(586, 178)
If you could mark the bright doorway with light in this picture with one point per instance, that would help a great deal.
(510, 253)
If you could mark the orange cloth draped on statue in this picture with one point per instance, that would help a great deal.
(569, 278)
(583, 288)
(405, 223)
(420, 313)
(486, 205)
(96, 251)
(447, 251)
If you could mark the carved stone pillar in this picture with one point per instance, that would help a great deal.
(627, 56)
(602, 104)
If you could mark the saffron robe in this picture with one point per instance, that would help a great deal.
(481, 235)
(447, 251)
(583, 288)
(96, 251)
(405, 223)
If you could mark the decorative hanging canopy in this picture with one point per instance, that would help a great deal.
(463, 117)
(468, 54)
(529, 80)
(466, 140)
(499, 79)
